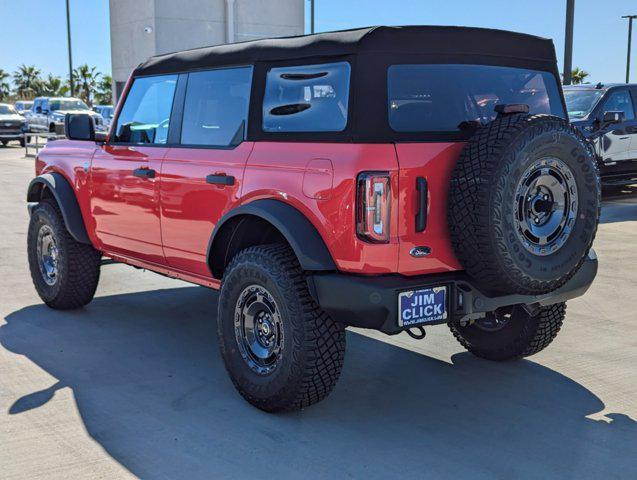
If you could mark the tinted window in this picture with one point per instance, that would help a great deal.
(145, 116)
(619, 101)
(440, 97)
(67, 104)
(309, 98)
(580, 102)
(216, 107)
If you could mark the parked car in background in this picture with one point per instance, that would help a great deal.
(11, 124)
(23, 106)
(106, 111)
(47, 114)
(605, 114)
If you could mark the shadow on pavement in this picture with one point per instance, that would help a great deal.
(619, 204)
(151, 389)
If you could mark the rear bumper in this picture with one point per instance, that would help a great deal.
(372, 302)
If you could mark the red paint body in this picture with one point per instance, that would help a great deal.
(165, 223)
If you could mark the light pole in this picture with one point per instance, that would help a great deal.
(311, 16)
(68, 37)
(568, 41)
(630, 35)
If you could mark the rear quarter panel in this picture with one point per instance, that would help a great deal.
(319, 179)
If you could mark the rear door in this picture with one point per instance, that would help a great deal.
(125, 172)
(202, 173)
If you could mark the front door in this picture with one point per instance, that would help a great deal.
(615, 143)
(201, 177)
(125, 172)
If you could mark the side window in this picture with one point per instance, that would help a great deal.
(216, 107)
(145, 116)
(36, 104)
(45, 105)
(308, 98)
(620, 101)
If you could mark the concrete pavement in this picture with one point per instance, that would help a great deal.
(133, 385)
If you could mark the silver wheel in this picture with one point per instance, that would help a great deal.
(546, 206)
(258, 329)
(48, 254)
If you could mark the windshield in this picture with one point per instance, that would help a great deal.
(442, 98)
(26, 105)
(70, 104)
(579, 103)
(7, 110)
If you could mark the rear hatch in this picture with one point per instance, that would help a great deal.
(446, 103)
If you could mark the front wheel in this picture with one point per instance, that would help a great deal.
(65, 272)
(281, 350)
(510, 333)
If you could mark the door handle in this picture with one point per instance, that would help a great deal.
(220, 179)
(421, 216)
(144, 172)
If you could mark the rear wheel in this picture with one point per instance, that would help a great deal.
(5, 142)
(510, 333)
(65, 272)
(281, 350)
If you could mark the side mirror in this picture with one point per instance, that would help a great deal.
(38, 109)
(613, 117)
(79, 126)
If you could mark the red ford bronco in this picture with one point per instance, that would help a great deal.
(387, 178)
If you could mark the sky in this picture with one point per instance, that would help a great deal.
(34, 31)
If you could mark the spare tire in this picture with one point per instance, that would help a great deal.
(524, 204)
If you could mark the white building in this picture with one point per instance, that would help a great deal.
(143, 28)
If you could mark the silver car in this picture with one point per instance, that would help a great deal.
(47, 114)
(11, 124)
(107, 112)
(23, 106)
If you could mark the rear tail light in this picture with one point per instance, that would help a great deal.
(373, 204)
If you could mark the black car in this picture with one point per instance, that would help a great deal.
(605, 114)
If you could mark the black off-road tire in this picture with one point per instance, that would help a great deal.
(22, 142)
(78, 263)
(482, 203)
(522, 336)
(313, 344)
(4, 142)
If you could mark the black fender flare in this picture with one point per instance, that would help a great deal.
(305, 240)
(65, 197)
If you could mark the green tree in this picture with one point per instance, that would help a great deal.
(578, 76)
(85, 79)
(5, 88)
(27, 81)
(54, 86)
(104, 91)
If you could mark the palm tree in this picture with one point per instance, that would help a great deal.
(104, 92)
(578, 75)
(5, 88)
(54, 87)
(85, 79)
(27, 81)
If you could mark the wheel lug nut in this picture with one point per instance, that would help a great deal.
(545, 197)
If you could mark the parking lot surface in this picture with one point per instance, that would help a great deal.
(133, 385)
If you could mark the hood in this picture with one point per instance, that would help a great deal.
(64, 112)
(11, 117)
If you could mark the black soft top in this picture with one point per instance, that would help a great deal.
(370, 52)
(438, 43)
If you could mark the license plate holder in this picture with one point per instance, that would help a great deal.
(422, 306)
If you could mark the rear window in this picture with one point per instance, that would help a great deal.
(307, 98)
(428, 98)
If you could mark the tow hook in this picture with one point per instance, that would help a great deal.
(418, 334)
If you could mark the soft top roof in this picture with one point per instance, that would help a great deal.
(437, 42)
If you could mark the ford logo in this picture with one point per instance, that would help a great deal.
(419, 252)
